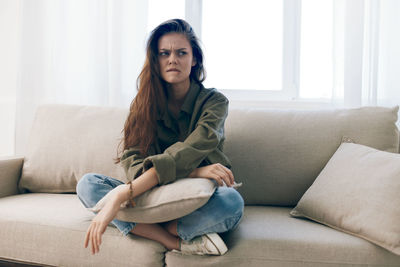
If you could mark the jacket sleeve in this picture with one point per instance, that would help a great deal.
(181, 158)
(132, 162)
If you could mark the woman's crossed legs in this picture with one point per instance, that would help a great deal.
(221, 213)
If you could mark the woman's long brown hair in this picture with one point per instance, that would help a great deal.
(150, 102)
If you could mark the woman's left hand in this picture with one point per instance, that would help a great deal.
(100, 222)
(217, 172)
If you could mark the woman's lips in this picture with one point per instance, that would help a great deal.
(169, 70)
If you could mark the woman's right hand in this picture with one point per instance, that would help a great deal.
(100, 221)
(217, 172)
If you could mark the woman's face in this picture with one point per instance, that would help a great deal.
(175, 58)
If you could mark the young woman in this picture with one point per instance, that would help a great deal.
(175, 129)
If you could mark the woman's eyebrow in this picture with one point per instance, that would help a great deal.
(178, 49)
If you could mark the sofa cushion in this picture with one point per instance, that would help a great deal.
(50, 229)
(358, 192)
(277, 154)
(269, 236)
(69, 141)
(164, 203)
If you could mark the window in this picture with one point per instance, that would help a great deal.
(258, 50)
(316, 53)
(270, 50)
(243, 44)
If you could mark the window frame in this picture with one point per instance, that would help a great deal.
(290, 55)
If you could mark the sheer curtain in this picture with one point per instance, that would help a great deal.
(367, 52)
(90, 52)
(77, 52)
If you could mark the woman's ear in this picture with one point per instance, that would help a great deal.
(194, 62)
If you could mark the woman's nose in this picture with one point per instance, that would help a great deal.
(172, 59)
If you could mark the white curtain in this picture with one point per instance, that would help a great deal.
(90, 52)
(77, 52)
(367, 52)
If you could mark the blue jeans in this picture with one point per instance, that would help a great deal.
(221, 213)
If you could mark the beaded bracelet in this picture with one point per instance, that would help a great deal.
(130, 200)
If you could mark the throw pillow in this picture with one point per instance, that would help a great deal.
(166, 202)
(358, 193)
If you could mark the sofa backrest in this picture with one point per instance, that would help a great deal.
(67, 141)
(277, 154)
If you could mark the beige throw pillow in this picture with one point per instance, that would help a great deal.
(164, 203)
(358, 192)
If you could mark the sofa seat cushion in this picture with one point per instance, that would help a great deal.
(50, 229)
(269, 236)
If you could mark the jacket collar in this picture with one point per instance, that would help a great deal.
(188, 103)
(190, 99)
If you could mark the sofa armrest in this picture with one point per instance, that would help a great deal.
(10, 172)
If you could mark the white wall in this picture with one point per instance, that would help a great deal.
(9, 35)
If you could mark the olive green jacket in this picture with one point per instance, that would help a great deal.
(193, 140)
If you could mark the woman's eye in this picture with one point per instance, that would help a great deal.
(163, 53)
(181, 53)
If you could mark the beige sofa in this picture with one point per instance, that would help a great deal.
(277, 154)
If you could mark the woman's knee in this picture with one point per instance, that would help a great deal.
(232, 205)
(93, 186)
(87, 187)
(85, 183)
(231, 201)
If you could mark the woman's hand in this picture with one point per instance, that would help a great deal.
(217, 172)
(101, 220)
